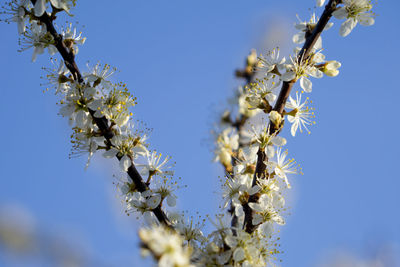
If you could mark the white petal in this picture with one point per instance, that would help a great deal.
(306, 84)
(95, 104)
(52, 49)
(299, 38)
(347, 27)
(328, 26)
(91, 78)
(270, 151)
(301, 26)
(238, 254)
(56, 3)
(254, 190)
(230, 241)
(66, 110)
(294, 127)
(318, 44)
(288, 76)
(89, 92)
(110, 153)
(239, 211)
(279, 141)
(341, 13)
(366, 20)
(279, 220)
(291, 119)
(122, 120)
(81, 119)
(266, 228)
(40, 7)
(171, 200)
(316, 73)
(318, 57)
(154, 201)
(21, 26)
(333, 64)
(125, 163)
(37, 51)
(255, 207)
(257, 219)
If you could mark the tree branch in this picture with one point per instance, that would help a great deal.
(284, 93)
(102, 123)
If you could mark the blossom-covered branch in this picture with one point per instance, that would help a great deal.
(312, 33)
(247, 144)
(261, 168)
(106, 131)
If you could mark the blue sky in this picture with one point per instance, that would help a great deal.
(178, 58)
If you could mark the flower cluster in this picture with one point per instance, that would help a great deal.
(258, 169)
(354, 11)
(92, 99)
(166, 246)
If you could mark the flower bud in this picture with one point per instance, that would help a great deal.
(252, 58)
(330, 68)
(275, 118)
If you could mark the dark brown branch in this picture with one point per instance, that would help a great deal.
(311, 38)
(305, 51)
(102, 123)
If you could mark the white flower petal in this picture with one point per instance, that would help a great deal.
(279, 141)
(318, 44)
(81, 119)
(288, 76)
(153, 201)
(340, 13)
(366, 20)
(299, 38)
(347, 27)
(328, 26)
(238, 254)
(171, 200)
(37, 51)
(301, 26)
(306, 84)
(40, 7)
(125, 163)
(110, 153)
(294, 127)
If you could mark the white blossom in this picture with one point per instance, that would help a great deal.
(58, 77)
(306, 27)
(166, 246)
(282, 167)
(270, 64)
(154, 166)
(16, 9)
(301, 68)
(354, 11)
(39, 39)
(227, 141)
(40, 6)
(262, 95)
(72, 39)
(300, 115)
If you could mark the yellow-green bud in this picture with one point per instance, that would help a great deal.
(275, 118)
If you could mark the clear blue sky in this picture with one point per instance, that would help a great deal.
(178, 58)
